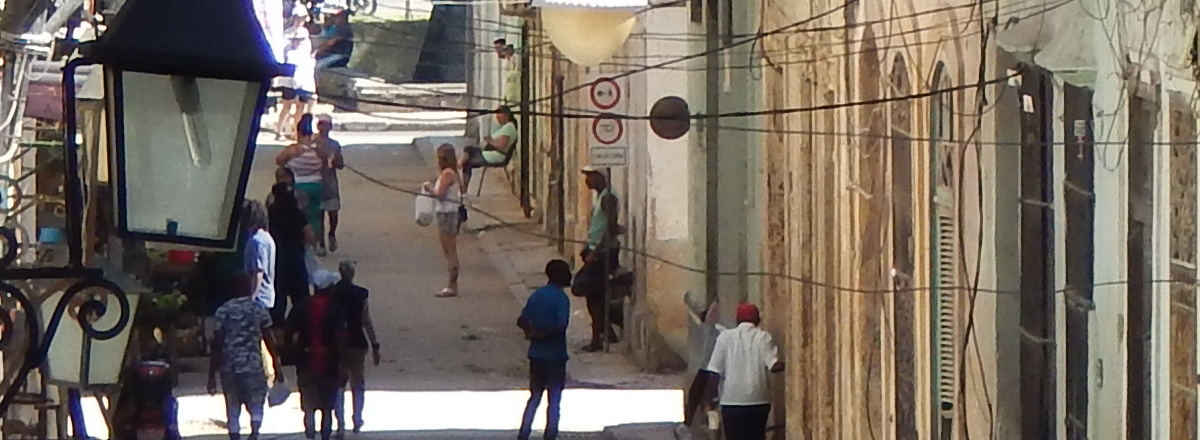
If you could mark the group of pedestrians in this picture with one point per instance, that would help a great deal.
(309, 166)
(327, 333)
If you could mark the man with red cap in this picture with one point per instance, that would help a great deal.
(743, 357)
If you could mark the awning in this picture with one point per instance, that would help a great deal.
(1057, 36)
(44, 97)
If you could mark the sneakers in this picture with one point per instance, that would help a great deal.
(333, 244)
(321, 250)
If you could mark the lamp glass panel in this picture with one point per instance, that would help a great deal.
(185, 141)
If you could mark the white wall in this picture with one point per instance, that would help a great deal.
(668, 171)
(488, 78)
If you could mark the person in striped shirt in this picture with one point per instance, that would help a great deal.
(307, 160)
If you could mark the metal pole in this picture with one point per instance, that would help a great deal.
(74, 187)
(408, 9)
(526, 151)
(712, 138)
(607, 265)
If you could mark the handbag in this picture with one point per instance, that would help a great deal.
(462, 208)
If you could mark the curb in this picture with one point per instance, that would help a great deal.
(399, 126)
(642, 431)
(383, 126)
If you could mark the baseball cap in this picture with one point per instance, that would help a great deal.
(589, 169)
(323, 279)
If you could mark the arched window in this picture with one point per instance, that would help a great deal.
(941, 129)
(944, 262)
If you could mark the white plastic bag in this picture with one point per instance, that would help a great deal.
(426, 207)
(278, 394)
(311, 263)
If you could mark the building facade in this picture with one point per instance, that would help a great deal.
(962, 220)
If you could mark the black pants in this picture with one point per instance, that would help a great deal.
(745, 422)
(548, 377)
(591, 278)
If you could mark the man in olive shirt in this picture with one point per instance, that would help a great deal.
(601, 257)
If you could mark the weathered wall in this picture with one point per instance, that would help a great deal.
(848, 206)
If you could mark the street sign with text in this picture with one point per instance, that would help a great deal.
(608, 144)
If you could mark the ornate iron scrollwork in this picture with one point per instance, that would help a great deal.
(38, 347)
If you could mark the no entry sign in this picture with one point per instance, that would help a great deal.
(607, 143)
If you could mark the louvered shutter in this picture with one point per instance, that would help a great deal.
(945, 305)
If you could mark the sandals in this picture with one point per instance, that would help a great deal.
(447, 293)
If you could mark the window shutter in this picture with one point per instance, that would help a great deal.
(945, 304)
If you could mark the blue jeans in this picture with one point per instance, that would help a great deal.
(548, 377)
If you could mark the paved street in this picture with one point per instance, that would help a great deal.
(447, 363)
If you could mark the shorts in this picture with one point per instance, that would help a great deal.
(317, 393)
(355, 365)
(295, 94)
(334, 204)
(249, 389)
(448, 223)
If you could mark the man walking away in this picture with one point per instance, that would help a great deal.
(742, 358)
(361, 329)
(258, 261)
(333, 196)
(318, 328)
(544, 320)
(601, 257)
(241, 325)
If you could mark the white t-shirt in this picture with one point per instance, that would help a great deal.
(452, 200)
(299, 53)
(743, 356)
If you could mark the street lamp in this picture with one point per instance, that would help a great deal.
(185, 85)
(588, 32)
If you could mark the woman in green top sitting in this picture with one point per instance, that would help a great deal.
(497, 146)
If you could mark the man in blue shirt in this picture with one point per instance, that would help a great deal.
(544, 320)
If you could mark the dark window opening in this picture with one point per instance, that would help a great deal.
(1078, 188)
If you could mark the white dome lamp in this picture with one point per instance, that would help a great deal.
(588, 32)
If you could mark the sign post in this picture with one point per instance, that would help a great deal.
(608, 144)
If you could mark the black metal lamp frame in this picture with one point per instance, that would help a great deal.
(202, 39)
(88, 278)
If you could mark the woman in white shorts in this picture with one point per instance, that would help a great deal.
(448, 190)
(297, 91)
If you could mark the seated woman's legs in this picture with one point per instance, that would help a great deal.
(472, 159)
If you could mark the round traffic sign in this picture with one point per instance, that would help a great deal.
(605, 93)
(607, 129)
